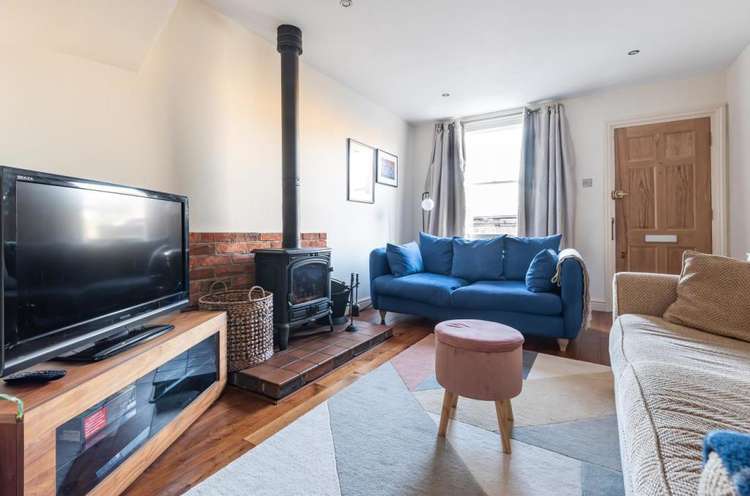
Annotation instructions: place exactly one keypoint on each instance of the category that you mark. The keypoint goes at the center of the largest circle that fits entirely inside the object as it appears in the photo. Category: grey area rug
(387, 444)
(379, 437)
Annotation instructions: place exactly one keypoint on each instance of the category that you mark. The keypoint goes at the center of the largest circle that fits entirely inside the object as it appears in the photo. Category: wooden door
(662, 194)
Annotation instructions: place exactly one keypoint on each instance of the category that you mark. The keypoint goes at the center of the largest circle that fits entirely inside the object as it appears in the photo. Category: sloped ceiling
(116, 32)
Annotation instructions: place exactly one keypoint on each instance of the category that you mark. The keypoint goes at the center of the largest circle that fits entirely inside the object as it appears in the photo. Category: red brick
(275, 244)
(310, 235)
(313, 243)
(232, 269)
(231, 248)
(323, 235)
(243, 281)
(201, 273)
(201, 249)
(195, 237)
(243, 258)
(208, 261)
(270, 236)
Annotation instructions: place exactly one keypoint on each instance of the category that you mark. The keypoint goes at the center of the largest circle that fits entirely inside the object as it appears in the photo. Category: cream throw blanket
(570, 253)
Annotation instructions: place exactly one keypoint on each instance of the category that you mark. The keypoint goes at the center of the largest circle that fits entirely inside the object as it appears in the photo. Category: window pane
(492, 209)
(492, 199)
(493, 162)
(493, 154)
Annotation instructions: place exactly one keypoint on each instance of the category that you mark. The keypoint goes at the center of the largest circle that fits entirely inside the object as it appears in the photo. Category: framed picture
(360, 160)
(387, 171)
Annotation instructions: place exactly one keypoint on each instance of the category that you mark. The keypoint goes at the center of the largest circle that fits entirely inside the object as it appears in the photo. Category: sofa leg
(382, 316)
(563, 344)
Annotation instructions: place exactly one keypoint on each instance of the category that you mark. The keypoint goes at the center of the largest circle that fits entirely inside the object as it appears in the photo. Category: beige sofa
(673, 384)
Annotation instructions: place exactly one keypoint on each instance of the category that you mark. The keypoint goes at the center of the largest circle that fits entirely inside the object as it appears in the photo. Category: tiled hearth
(309, 358)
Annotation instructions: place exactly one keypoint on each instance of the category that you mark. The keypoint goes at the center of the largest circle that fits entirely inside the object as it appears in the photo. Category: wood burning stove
(300, 278)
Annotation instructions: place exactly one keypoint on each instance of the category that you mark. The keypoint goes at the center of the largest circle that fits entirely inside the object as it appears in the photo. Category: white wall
(738, 96)
(65, 114)
(588, 117)
(201, 116)
(221, 86)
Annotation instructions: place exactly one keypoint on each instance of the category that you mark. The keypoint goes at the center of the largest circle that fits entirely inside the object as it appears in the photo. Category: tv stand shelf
(90, 393)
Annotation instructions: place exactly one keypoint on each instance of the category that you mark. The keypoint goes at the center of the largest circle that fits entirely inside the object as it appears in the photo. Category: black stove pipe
(289, 45)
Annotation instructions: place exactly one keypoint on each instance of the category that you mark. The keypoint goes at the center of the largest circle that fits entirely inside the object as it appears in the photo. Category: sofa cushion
(511, 296)
(425, 287)
(673, 384)
(519, 252)
(437, 253)
(478, 259)
(541, 271)
(404, 259)
(713, 294)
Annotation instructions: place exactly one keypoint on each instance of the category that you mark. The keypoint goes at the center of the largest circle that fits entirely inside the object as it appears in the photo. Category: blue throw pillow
(478, 259)
(404, 259)
(542, 269)
(437, 253)
(520, 251)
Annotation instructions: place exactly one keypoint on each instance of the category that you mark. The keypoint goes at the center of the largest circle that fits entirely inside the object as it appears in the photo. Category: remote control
(34, 377)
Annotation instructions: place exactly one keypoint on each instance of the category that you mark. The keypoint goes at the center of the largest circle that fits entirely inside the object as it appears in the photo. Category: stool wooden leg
(454, 406)
(501, 408)
(509, 411)
(445, 414)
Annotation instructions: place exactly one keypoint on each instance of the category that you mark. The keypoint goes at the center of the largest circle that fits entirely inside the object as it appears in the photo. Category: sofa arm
(643, 293)
(378, 267)
(572, 294)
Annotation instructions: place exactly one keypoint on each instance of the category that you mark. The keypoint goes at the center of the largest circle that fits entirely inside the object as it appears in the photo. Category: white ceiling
(498, 54)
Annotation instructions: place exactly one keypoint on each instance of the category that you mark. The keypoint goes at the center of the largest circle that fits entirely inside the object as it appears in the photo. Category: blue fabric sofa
(556, 314)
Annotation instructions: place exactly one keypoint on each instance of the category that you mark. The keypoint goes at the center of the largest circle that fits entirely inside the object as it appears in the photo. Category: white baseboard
(600, 306)
(364, 302)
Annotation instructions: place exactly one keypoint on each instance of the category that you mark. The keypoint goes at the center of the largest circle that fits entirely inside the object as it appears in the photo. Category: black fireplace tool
(353, 299)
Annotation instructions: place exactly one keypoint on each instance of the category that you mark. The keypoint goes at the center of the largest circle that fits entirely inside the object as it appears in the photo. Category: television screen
(80, 256)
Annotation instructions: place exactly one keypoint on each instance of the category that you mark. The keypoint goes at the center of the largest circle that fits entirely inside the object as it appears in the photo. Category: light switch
(588, 182)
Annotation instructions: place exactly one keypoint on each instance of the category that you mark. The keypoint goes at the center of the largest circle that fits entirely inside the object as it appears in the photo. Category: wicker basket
(249, 323)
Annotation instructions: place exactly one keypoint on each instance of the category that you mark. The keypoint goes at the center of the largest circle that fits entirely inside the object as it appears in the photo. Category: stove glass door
(309, 281)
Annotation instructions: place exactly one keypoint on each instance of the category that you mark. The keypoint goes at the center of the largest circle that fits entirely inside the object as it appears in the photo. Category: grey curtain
(445, 180)
(547, 182)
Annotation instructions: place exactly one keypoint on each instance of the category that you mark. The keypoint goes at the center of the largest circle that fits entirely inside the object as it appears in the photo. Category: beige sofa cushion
(713, 294)
(673, 385)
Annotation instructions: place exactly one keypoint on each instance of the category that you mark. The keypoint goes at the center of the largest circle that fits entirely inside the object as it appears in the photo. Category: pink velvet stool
(479, 360)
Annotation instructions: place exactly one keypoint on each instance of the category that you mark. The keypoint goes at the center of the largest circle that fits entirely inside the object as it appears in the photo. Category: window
(493, 164)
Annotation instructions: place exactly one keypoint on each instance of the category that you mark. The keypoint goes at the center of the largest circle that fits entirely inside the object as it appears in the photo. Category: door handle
(618, 194)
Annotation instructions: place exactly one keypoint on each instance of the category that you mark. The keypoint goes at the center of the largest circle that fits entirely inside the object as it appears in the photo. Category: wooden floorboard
(238, 420)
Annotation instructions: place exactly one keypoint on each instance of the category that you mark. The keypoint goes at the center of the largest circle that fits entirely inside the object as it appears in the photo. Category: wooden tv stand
(91, 393)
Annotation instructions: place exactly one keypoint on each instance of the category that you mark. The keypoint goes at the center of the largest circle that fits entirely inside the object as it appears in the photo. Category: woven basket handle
(255, 289)
(211, 289)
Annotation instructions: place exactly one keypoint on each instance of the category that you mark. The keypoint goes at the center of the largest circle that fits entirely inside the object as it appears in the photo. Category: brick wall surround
(229, 257)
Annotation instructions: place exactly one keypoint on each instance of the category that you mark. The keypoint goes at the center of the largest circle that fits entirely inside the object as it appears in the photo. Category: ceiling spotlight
(346, 3)
(634, 52)
(445, 95)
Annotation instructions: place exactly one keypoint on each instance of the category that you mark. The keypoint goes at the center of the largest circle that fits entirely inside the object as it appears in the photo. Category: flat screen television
(84, 260)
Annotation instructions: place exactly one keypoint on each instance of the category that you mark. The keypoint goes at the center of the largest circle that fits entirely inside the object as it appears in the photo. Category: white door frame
(718, 115)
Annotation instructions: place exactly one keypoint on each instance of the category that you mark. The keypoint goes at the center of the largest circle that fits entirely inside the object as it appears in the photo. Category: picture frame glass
(387, 169)
(361, 164)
